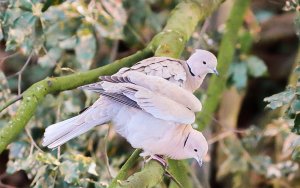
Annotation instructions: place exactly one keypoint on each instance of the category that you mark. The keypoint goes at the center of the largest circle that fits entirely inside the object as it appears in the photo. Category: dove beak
(215, 72)
(200, 162)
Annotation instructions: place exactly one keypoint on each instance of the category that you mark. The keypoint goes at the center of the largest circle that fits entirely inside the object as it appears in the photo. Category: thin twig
(173, 178)
(2, 59)
(204, 27)
(57, 120)
(10, 102)
(136, 34)
(219, 137)
(32, 141)
(201, 40)
(20, 72)
(194, 177)
(114, 51)
(58, 153)
(224, 127)
(105, 152)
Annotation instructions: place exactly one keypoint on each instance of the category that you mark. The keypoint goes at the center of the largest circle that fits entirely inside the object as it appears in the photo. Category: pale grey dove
(150, 104)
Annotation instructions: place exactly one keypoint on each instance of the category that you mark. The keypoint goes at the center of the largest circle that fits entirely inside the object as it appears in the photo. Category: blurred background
(253, 137)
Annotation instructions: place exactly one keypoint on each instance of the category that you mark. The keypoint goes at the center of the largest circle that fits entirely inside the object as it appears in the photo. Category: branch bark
(225, 57)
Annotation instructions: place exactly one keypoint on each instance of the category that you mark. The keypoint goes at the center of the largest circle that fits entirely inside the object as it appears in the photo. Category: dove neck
(180, 151)
(193, 82)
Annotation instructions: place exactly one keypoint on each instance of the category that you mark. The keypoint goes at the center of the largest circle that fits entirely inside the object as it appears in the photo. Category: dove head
(196, 146)
(201, 63)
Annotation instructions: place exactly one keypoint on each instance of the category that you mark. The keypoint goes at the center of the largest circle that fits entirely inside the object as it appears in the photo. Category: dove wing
(167, 68)
(163, 87)
(142, 98)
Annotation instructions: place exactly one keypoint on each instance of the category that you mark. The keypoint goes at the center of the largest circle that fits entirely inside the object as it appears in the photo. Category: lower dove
(150, 104)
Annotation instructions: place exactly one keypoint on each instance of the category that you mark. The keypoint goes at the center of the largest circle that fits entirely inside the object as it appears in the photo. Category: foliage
(294, 5)
(72, 36)
(71, 25)
(252, 66)
(249, 155)
(290, 98)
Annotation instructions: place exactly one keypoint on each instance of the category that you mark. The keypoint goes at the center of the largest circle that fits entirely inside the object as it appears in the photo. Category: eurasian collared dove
(150, 104)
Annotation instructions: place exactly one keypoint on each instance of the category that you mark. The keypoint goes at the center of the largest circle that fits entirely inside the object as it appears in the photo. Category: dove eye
(195, 150)
(204, 62)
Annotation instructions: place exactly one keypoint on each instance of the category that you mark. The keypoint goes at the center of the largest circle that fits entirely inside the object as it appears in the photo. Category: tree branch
(10, 102)
(225, 57)
(123, 171)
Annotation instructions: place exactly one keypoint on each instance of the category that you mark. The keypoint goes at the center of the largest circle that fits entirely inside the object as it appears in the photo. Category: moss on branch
(225, 57)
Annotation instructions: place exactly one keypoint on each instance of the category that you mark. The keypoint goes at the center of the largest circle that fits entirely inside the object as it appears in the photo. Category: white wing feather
(165, 88)
(157, 105)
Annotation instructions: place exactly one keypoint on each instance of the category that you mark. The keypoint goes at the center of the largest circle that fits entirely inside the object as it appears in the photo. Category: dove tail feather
(61, 132)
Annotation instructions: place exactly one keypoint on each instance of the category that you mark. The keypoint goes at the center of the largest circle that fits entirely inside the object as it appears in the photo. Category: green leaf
(261, 163)
(50, 59)
(40, 174)
(280, 99)
(296, 128)
(47, 158)
(86, 47)
(70, 171)
(68, 43)
(296, 154)
(239, 75)
(256, 66)
(295, 107)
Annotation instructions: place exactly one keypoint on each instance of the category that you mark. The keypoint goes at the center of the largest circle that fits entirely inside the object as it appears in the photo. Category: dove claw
(159, 159)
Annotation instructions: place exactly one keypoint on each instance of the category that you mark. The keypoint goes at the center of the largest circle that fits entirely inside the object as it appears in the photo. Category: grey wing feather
(167, 68)
(96, 87)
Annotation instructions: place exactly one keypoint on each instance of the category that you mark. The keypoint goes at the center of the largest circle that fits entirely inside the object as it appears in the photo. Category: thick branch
(148, 177)
(225, 57)
(125, 168)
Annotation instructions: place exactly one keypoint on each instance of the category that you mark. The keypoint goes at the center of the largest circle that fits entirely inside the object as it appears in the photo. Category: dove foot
(158, 158)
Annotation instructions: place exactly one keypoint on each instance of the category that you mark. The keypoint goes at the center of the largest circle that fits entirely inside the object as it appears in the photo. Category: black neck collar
(190, 70)
(186, 139)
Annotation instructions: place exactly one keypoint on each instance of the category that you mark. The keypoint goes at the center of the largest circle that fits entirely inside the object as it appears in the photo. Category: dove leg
(144, 155)
(158, 158)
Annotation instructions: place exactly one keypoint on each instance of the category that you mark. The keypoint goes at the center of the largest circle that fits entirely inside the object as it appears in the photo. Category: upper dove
(150, 104)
